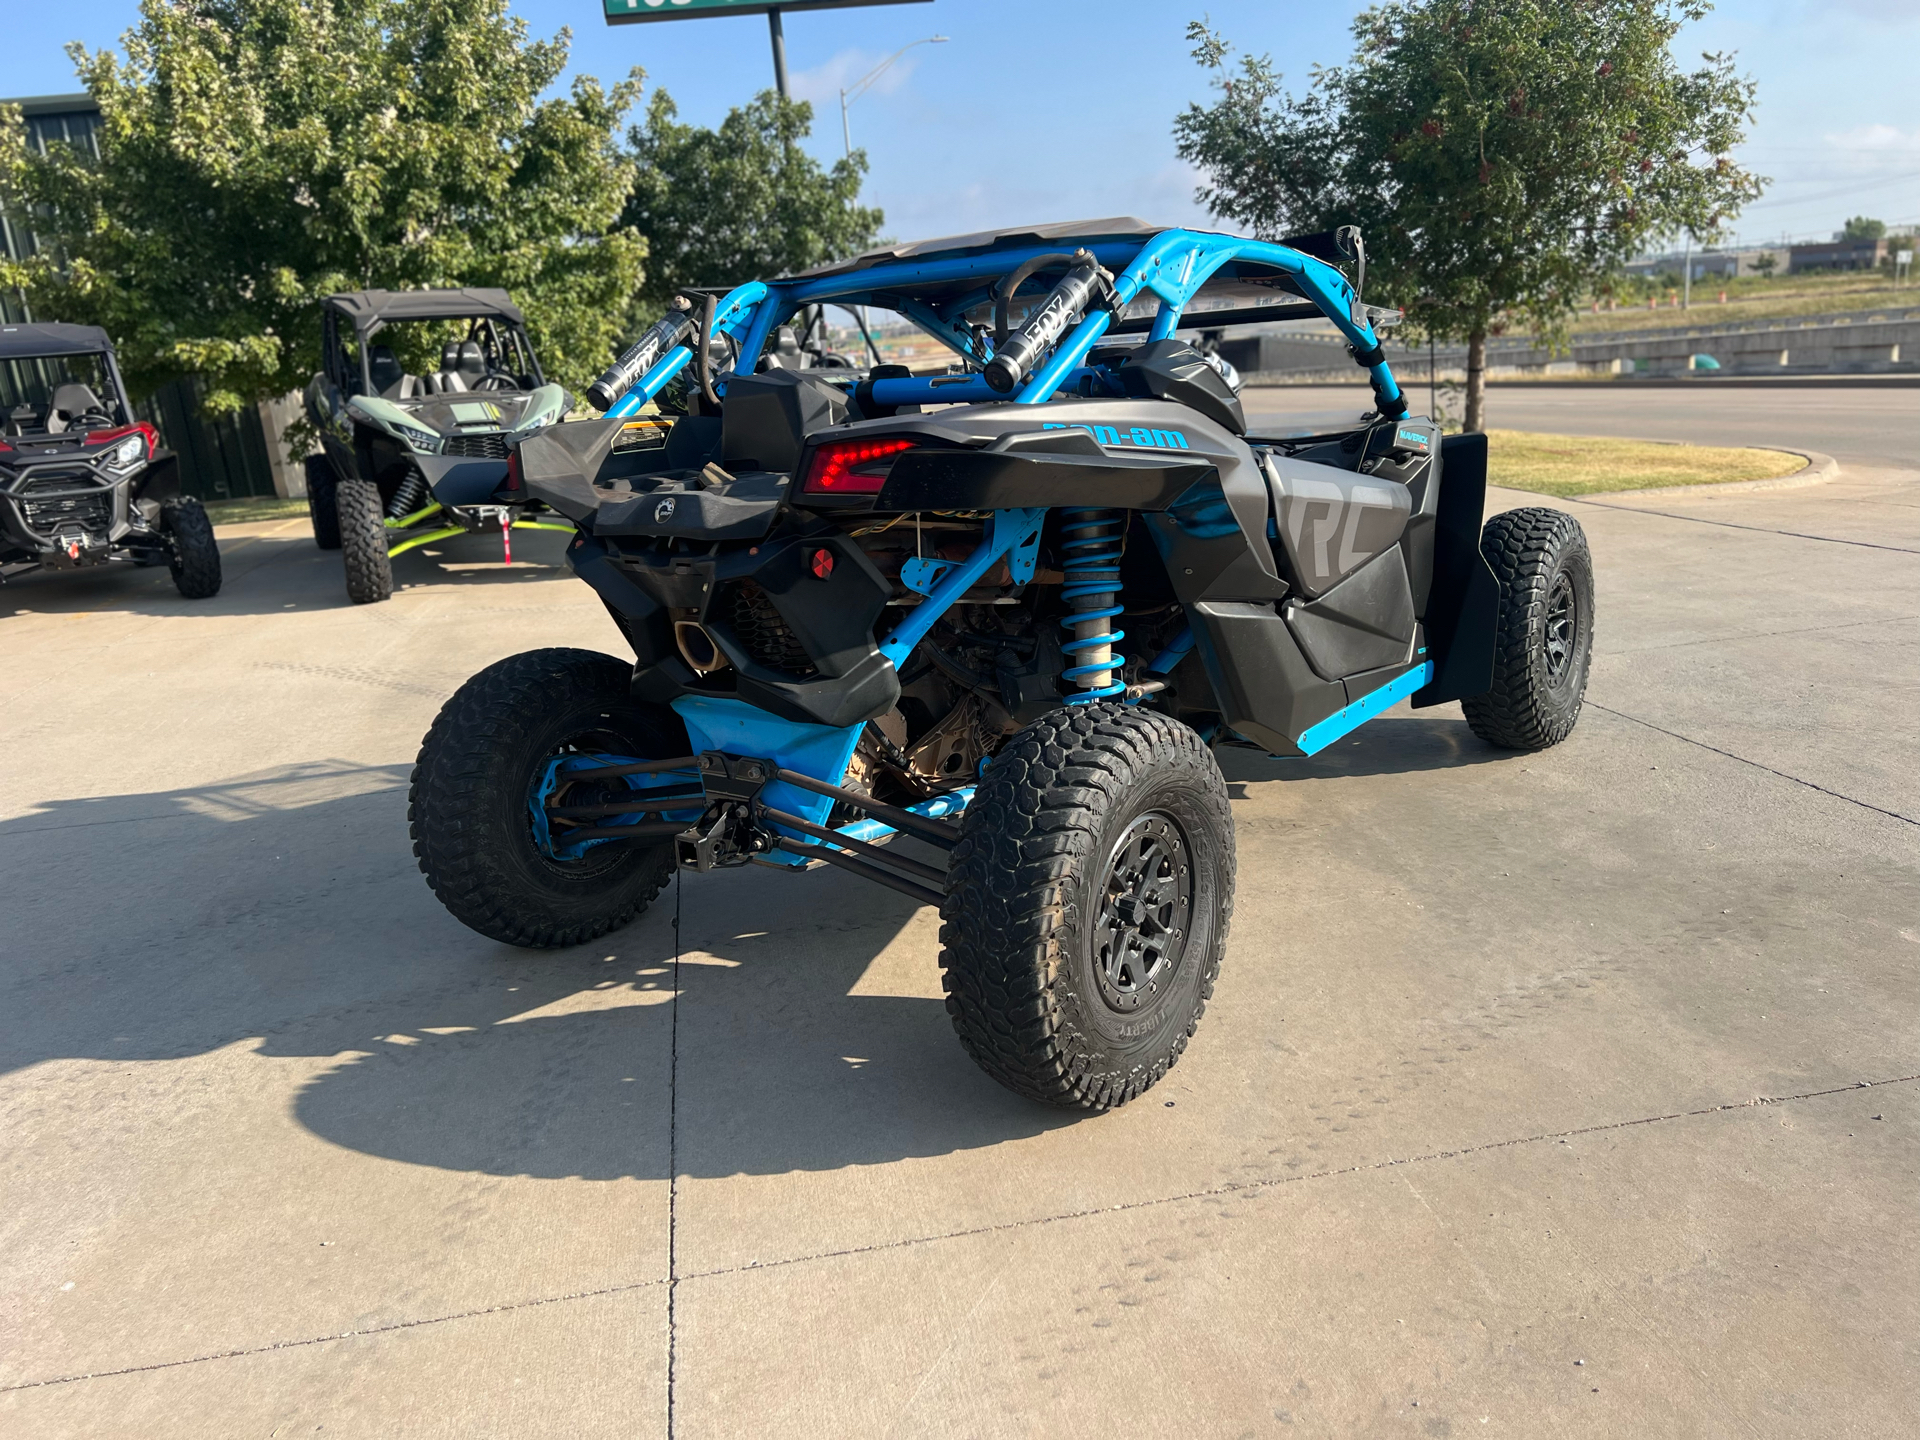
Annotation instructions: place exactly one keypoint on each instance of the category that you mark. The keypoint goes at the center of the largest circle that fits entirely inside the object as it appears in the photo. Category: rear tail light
(852, 467)
(512, 482)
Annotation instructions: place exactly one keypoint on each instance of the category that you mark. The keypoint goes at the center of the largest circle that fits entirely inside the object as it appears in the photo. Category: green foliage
(257, 155)
(744, 202)
(1862, 228)
(1501, 156)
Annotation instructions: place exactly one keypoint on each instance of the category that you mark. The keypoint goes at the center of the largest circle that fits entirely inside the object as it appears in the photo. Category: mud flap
(1463, 608)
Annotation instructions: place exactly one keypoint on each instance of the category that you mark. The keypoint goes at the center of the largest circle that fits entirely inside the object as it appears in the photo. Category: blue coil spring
(1091, 543)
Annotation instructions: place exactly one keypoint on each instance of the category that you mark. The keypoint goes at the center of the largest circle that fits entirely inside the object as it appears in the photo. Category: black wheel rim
(1560, 637)
(1146, 913)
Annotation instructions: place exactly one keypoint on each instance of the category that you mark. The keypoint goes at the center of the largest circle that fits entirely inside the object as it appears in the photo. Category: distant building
(228, 456)
(1838, 254)
(1720, 264)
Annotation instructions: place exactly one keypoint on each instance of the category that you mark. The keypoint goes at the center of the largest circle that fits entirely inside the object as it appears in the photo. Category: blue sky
(1058, 109)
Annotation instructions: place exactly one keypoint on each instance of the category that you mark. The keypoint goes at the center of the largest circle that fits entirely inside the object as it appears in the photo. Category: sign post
(640, 12)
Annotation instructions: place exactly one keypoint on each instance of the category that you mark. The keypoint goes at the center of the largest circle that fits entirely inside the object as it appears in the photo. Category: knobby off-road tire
(320, 501)
(363, 541)
(467, 804)
(193, 555)
(1091, 819)
(1543, 647)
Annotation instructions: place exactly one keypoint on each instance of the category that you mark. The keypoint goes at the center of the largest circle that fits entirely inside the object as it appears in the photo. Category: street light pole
(850, 93)
(779, 38)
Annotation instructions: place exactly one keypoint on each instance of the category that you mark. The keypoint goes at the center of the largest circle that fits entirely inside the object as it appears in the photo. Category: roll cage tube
(737, 308)
(1172, 265)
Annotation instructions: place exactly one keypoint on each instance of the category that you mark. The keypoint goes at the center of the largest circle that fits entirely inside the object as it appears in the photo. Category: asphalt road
(1870, 424)
(1533, 1101)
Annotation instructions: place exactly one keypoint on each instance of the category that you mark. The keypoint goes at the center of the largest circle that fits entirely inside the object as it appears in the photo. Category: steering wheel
(494, 380)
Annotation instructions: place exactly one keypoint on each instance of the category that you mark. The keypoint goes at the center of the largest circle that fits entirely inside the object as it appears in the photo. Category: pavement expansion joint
(242, 1351)
(1248, 1187)
(1781, 774)
(1238, 1187)
(1735, 525)
(1758, 635)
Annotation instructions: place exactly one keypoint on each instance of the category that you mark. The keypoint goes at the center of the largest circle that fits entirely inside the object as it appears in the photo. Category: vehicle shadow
(1390, 745)
(281, 913)
(275, 570)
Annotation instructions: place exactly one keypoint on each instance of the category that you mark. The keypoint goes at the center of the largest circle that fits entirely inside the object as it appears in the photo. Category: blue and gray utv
(1004, 605)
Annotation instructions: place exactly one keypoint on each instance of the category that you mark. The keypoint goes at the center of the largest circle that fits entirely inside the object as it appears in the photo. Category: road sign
(637, 12)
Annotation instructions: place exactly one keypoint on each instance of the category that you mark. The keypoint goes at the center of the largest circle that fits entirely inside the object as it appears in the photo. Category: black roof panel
(26, 342)
(1118, 227)
(365, 307)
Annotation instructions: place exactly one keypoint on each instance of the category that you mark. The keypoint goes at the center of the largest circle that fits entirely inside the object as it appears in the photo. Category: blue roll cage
(1172, 265)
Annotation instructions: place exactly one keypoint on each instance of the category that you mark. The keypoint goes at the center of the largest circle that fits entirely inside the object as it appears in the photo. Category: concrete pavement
(1530, 1102)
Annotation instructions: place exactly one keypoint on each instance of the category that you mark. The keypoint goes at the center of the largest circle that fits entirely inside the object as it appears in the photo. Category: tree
(1861, 228)
(257, 155)
(1766, 264)
(743, 202)
(1500, 156)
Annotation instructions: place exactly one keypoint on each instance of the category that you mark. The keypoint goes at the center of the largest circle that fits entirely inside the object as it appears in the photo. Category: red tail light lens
(512, 481)
(852, 467)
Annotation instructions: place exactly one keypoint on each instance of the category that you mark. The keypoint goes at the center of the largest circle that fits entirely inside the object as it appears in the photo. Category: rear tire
(320, 502)
(1543, 646)
(1087, 905)
(467, 804)
(363, 541)
(193, 554)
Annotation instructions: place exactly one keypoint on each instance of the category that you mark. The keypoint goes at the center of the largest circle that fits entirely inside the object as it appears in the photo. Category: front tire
(363, 541)
(320, 502)
(1087, 905)
(1543, 647)
(467, 804)
(193, 554)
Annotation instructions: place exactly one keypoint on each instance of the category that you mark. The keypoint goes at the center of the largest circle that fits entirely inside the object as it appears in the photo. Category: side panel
(1464, 606)
(1365, 622)
(1332, 521)
(1266, 689)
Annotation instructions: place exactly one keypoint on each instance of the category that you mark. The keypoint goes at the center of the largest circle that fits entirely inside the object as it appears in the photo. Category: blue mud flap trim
(822, 751)
(1317, 737)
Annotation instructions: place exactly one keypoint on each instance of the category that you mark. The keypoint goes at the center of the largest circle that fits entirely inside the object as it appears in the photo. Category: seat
(388, 378)
(72, 400)
(469, 364)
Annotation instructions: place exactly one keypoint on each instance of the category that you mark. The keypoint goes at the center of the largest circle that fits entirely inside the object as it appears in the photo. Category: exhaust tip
(697, 647)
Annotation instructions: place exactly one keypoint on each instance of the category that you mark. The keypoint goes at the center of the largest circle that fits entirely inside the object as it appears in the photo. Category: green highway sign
(636, 12)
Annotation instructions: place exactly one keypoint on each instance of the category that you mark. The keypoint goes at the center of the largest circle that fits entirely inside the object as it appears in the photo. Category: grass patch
(1583, 465)
(1752, 298)
(246, 512)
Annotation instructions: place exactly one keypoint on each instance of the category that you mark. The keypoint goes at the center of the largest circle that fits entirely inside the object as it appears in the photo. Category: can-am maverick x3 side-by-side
(409, 458)
(82, 482)
(1008, 611)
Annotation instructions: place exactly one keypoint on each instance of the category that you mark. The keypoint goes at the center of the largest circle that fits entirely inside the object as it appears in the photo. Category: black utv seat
(384, 368)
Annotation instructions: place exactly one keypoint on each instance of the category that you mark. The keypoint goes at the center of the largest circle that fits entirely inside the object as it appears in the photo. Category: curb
(1817, 471)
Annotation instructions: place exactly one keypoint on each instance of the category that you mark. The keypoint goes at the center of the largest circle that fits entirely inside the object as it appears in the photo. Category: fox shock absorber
(1085, 282)
(619, 377)
(1091, 543)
